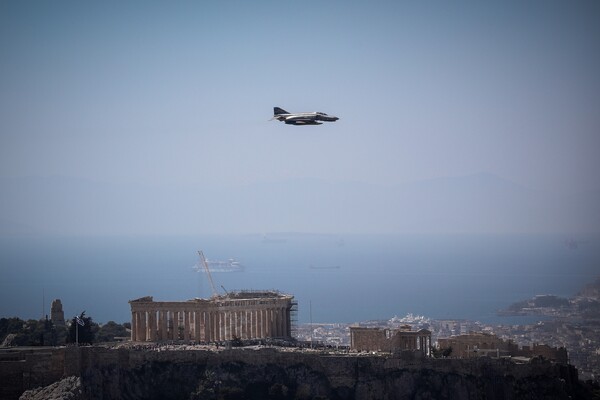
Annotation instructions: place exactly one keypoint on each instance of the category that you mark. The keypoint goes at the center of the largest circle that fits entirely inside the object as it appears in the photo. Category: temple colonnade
(212, 320)
(390, 340)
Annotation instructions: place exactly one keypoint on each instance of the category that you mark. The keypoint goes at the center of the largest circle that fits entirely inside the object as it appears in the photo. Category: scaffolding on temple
(294, 319)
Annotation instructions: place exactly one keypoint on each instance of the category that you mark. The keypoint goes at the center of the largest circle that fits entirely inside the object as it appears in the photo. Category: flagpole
(78, 321)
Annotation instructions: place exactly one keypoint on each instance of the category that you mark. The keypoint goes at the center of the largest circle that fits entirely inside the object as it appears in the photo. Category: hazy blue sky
(182, 91)
(167, 93)
(137, 99)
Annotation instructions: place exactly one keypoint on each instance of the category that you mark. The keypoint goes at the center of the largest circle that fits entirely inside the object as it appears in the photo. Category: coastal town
(571, 324)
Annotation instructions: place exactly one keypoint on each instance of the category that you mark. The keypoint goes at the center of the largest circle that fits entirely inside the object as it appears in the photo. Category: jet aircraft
(304, 118)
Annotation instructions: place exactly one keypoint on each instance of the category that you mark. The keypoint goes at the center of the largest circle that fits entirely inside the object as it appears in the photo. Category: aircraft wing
(303, 122)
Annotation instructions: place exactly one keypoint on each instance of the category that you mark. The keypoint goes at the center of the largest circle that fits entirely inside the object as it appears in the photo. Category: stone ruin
(57, 315)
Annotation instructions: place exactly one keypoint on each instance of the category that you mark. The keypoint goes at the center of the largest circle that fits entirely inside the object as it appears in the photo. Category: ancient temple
(236, 315)
(390, 340)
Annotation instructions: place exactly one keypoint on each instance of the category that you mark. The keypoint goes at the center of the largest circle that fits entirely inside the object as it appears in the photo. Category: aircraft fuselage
(303, 118)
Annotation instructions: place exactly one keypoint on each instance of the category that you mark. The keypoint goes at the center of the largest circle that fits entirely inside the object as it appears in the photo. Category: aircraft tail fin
(277, 111)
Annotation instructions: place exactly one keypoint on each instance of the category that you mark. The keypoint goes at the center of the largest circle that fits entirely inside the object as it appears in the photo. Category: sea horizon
(342, 278)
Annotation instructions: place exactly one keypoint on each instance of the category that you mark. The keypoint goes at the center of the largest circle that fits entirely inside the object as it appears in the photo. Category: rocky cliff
(268, 373)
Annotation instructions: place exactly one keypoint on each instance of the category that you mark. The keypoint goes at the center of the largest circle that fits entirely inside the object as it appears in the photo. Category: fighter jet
(304, 118)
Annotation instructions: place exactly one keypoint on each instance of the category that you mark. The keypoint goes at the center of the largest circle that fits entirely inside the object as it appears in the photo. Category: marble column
(428, 344)
(138, 330)
(220, 325)
(176, 325)
(244, 330)
(248, 324)
(231, 325)
(215, 325)
(227, 325)
(235, 317)
(186, 326)
(255, 324)
(262, 324)
(152, 325)
(143, 327)
(163, 325)
(281, 315)
(233, 331)
(170, 325)
(220, 320)
(245, 325)
(136, 318)
(241, 324)
(208, 326)
(235, 323)
(277, 320)
(197, 335)
(133, 326)
(269, 322)
(259, 324)
(238, 324)
(192, 325)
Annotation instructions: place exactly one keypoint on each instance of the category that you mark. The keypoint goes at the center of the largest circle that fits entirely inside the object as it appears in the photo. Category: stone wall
(485, 344)
(22, 369)
(269, 373)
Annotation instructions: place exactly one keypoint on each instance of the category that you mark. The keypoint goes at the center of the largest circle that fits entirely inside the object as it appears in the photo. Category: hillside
(267, 373)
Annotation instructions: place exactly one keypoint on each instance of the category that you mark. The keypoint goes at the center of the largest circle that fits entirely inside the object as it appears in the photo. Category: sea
(335, 278)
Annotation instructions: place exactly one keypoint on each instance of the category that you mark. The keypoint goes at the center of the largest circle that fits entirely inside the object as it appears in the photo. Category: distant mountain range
(480, 203)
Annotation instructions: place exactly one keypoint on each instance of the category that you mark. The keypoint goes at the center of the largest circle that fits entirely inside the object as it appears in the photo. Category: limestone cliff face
(271, 374)
(68, 388)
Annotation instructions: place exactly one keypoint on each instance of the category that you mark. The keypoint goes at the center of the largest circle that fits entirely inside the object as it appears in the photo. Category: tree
(109, 331)
(31, 332)
(46, 333)
(10, 325)
(82, 327)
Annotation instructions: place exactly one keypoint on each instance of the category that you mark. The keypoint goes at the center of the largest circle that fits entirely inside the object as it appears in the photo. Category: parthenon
(236, 315)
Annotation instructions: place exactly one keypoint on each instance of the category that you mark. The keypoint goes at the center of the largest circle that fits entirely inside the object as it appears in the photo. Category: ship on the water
(230, 265)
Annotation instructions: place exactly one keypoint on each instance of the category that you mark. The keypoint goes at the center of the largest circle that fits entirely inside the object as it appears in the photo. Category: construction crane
(205, 265)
